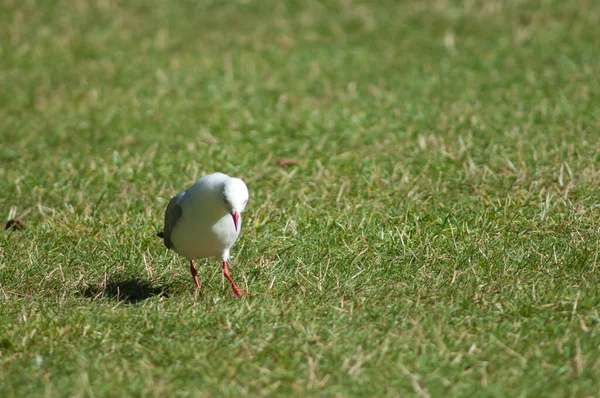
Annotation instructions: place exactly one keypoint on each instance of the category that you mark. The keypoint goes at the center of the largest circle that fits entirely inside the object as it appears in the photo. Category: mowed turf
(437, 233)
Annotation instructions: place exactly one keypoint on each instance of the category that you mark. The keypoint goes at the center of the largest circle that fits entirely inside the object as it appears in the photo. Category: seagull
(205, 221)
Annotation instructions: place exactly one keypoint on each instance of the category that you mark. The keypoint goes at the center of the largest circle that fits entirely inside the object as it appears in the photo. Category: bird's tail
(160, 234)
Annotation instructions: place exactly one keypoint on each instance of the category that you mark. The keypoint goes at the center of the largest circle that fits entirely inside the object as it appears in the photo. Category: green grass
(439, 235)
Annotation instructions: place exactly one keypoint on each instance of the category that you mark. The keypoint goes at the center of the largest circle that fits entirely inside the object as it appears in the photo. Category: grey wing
(172, 215)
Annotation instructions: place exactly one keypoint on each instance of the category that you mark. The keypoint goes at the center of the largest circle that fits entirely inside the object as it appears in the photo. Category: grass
(438, 236)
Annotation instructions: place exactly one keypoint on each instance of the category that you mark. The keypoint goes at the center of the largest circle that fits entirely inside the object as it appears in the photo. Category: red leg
(237, 292)
(194, 274)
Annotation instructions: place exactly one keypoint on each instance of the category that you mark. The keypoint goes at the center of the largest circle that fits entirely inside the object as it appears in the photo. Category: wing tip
(160, 234)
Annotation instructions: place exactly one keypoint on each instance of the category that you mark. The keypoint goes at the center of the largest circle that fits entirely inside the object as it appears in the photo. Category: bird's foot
(237, 292)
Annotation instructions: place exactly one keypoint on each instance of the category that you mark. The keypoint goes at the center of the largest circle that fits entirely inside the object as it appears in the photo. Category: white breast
(204, 231)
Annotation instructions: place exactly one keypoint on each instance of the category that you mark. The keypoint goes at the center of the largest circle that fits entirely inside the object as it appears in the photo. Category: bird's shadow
(128, 291)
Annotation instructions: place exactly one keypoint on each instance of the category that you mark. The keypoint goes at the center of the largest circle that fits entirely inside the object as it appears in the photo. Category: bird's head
(235, 198)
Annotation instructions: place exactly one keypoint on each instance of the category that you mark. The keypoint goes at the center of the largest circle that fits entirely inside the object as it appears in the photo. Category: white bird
(205, 221)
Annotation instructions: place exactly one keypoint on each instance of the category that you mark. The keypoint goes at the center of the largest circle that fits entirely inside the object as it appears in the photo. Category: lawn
(436, 232)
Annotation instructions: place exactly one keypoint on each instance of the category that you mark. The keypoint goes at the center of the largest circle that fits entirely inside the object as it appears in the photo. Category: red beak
(236, 220)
